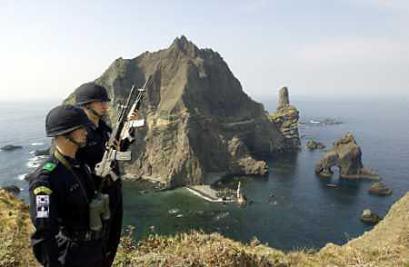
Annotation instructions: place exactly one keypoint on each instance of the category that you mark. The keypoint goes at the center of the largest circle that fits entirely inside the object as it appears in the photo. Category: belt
(83, 236)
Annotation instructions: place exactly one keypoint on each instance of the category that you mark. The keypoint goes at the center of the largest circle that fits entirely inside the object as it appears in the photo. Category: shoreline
(207, 193)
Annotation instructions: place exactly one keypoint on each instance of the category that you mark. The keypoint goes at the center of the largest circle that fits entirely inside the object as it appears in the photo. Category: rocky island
(200, 123)
(346, 155)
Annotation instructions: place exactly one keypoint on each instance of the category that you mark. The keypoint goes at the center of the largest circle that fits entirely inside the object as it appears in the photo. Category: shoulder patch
(49, 166)
(42, 206)
(43, 190)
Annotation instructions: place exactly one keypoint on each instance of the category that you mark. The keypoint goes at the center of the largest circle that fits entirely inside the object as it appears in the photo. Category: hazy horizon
(344, 48)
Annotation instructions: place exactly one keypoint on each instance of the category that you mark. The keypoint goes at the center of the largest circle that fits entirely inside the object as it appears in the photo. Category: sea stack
(286, 119)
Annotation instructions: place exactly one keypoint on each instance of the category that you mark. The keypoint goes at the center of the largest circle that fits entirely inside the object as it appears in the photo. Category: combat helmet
(90, 92)
(64, 119)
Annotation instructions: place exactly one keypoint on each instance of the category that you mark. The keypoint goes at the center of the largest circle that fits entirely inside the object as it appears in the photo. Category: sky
(317, 48)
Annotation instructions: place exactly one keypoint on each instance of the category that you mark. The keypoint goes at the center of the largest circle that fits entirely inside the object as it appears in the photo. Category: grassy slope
(386, 245)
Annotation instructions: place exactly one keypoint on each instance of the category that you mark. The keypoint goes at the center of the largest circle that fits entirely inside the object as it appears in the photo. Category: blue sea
(291, 208)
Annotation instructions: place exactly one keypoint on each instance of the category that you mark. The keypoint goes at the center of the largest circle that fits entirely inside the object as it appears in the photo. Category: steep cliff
(199, 120)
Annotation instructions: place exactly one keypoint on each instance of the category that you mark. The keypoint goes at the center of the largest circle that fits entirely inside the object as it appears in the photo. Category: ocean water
(291, 208)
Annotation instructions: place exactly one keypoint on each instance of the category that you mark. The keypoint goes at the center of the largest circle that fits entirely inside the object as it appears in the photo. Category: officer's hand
(134, 116)
(117, 144)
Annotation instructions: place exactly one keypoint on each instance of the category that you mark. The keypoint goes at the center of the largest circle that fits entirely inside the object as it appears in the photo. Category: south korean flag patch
(43, 206)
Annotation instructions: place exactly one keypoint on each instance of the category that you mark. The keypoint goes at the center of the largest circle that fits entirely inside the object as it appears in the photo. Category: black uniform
(92, 154)
(59, 210)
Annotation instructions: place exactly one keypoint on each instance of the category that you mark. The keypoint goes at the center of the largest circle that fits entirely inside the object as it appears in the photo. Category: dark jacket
(59, 207)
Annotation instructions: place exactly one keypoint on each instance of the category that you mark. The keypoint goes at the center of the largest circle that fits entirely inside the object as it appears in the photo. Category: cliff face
(199, 120)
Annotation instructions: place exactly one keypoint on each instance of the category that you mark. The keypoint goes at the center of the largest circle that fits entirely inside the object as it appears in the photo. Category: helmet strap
(94, 112)
(69, 138)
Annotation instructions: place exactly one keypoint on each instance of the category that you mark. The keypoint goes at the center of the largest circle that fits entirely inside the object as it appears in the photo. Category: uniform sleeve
(44, 215)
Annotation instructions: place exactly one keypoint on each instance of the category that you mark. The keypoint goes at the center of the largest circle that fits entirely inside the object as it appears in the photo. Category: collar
(72, 162)
(101, 125)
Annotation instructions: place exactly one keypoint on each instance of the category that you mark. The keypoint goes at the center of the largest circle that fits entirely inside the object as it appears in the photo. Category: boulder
(347, 156)
(379, 189)
(10, 147)
(199, 121)
(369, 217)
(313, 145)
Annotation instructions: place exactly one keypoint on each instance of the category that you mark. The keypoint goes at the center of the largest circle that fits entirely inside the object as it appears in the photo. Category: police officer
(94, 100)
(61, 191)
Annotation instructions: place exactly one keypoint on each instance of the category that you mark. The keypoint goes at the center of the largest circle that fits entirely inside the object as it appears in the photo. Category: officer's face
(100, 107)
(80, 136)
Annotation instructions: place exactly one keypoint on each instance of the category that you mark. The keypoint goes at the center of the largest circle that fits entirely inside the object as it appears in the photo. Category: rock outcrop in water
(42, 152)
(313, 145)
(199, 120)
(369, 217)
(286, 119)
(347, 156)
(10, 147)
(380, 189)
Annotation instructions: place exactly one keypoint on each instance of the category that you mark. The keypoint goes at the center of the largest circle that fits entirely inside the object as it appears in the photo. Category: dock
(206, 192)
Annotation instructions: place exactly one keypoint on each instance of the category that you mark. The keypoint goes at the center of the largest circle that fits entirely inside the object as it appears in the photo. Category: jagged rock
(283, 98)
(198, 119)
(346, 155)
(242, 161)
(380, 189)
(312, 145)
(10, 147)
(286, 119)
(368, 216)
(11, 189)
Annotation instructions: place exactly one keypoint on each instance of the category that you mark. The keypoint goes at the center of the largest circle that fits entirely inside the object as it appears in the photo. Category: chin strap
(94, 112)
(69, 138)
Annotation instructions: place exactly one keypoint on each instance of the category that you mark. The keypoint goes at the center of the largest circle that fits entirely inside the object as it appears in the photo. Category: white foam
(22, 176)
(37, 144)
(34, 162)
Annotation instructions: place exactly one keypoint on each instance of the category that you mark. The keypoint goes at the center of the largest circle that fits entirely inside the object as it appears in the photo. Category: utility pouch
(98, 211)
(123, 155)
(137, 123)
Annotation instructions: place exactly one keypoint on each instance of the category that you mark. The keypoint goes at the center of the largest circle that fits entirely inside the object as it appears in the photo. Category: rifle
(104, 168)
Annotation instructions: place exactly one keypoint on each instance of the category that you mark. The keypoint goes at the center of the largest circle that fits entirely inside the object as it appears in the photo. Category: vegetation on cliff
(15, 229)
(386, 245)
